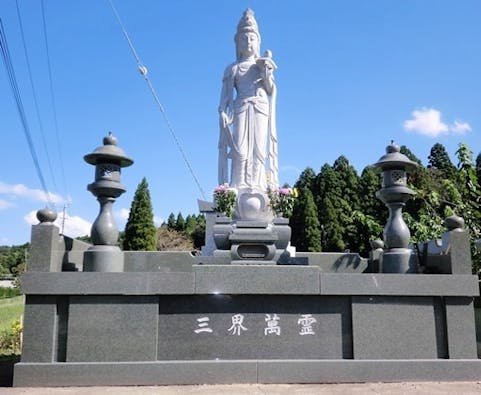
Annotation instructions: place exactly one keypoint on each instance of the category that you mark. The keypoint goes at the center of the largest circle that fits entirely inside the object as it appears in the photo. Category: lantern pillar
(397, 257)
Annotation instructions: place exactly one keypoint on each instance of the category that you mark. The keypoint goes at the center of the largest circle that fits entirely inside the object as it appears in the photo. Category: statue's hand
(267, 71)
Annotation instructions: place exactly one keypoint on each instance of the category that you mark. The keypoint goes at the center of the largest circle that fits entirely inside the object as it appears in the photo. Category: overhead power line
(40, 124)
(143, 71)
(7, 60)
(52, 96)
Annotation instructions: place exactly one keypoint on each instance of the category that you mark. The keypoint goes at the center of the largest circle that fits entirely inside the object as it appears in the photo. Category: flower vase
(283, 230)
(222, 229)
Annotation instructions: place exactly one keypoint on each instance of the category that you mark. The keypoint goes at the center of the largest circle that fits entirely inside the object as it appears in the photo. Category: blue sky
(352, 75)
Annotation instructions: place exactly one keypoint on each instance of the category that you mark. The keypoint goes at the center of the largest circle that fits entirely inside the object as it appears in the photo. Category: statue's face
(248, 44)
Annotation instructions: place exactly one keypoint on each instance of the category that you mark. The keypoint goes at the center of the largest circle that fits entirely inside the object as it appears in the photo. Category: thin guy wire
(54, 107)
(143, 69)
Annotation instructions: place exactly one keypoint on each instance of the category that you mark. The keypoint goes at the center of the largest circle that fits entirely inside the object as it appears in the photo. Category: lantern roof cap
(394, 159)
(109, 152)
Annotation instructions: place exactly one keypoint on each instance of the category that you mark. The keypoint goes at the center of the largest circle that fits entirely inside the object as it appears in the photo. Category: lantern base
(398, 260)
(102, 258)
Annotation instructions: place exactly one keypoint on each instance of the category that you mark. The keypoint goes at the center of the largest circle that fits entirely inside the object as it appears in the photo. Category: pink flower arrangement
(282, 200)
(225, 199)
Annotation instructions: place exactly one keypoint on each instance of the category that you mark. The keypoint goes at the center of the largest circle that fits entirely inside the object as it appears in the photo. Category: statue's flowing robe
(253, 138)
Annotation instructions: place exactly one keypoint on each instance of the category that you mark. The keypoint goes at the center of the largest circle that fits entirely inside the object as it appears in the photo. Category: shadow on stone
(6, 369)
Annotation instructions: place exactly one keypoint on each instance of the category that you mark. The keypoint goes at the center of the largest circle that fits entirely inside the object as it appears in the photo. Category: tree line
(337, 209)
(178, 233)
(12, 259)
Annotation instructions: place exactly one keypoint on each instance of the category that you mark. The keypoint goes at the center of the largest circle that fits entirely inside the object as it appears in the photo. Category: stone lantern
(397, 257)
(108, 159)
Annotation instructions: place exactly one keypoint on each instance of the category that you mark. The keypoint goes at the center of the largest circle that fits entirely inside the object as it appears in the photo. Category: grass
(6, 292)
(10, 310)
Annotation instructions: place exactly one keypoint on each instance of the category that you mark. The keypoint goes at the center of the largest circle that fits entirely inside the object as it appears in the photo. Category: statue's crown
(247, 23)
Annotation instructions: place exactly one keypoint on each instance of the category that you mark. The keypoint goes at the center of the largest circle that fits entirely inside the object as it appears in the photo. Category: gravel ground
(428, 388)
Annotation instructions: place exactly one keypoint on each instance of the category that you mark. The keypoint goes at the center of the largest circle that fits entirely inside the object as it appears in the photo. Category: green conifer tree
(190, 225)
(180, 223)
(307, 179)
(406, 151)
(369, 184)
(140, 232)
(439, 160)
(198, 235)
(370, 218)
(306, 235)
(337, 190)
(330, 207)
(171, 222)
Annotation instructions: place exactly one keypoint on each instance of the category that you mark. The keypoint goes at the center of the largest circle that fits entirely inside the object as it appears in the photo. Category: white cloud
(460, 127)
(20, 190)
(123, 213)
(5, 241)
(427, 122)
(74, 226)
(158, 221)
(4, 204)
(31, 218)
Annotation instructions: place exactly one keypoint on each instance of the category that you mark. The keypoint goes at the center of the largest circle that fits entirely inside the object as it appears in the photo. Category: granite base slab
(243, 371)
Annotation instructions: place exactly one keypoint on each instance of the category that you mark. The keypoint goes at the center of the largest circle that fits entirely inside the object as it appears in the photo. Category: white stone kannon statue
(248, 135)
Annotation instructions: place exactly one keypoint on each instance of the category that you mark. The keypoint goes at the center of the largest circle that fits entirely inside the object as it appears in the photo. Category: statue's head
(247, 38)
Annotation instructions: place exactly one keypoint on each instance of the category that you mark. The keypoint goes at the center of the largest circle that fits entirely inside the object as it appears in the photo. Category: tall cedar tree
(337, 200)
(369, 184)
(419, 180)
(198, 235)
(180, 223)
(372, 213)
(305, 224)
(330, 205)
(439, 159)
(190, 224)
(406, 151)
(171, 222)
(349, 180)
(307, 179)
(140, 232)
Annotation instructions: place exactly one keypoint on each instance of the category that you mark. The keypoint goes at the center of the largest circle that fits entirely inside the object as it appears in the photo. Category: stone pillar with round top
(397, 257)
(108, 159)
